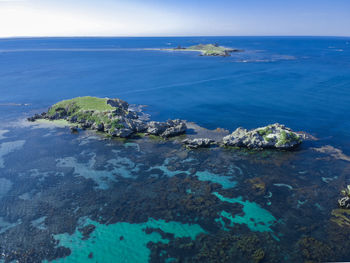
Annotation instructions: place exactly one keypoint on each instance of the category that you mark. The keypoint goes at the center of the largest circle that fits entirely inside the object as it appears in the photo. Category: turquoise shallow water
(82, 197)
(122, 242)
(254, 216)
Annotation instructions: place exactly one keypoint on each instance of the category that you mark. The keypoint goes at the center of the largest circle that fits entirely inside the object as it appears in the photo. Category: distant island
(116, 118)
(207, 50)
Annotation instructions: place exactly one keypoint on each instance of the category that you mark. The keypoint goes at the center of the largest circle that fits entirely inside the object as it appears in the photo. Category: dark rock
(118, 103)
(81, 121)
(98, 127)
(131, 115)
(59, 113)
(166, 129)
(175, 127)
(43, 115)
(73, 118)
(86, 125)
(122, 133)
(156, 127)
(136, 125)
(35, 117)
(73, 129)
(31, 119)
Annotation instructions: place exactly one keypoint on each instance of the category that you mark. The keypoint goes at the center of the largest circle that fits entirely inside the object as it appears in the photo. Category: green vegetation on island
(86, 109)
(272, 136)
(112, 116)
(84, 103)
(116, 118)
(207, 50)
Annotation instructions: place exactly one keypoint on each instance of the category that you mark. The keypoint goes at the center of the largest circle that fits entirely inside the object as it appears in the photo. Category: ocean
(84, 198)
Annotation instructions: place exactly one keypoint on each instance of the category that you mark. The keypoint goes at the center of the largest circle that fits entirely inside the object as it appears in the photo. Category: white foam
(2, 132)
(39, 223)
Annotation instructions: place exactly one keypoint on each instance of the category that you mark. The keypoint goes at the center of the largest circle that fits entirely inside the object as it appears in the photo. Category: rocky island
(112, 116)
(207, 50)
(116, 118)
(272, 136)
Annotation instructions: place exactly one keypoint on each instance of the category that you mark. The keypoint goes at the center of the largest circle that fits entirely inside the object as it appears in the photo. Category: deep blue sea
(48, 174)
(302, 82)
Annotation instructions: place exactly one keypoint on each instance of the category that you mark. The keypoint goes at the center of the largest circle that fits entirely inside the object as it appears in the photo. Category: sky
(174, 18)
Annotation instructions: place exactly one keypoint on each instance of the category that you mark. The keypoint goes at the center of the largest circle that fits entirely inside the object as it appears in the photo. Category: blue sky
(174, 17)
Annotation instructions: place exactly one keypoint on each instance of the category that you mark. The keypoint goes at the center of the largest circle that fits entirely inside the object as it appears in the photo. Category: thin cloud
(12, 1)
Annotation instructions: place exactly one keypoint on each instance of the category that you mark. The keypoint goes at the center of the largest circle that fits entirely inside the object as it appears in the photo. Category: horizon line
(170, 36)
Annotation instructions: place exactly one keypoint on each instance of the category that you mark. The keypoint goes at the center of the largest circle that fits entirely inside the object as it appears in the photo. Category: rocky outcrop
(344, 202)
(117, 120)
(118, 103)
(272, 136)
(198, 143)
(208, 50)
(73, 129)
(166, 129)
(37, 116)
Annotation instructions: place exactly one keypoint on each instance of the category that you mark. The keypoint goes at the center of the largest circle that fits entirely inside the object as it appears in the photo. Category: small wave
(254, 60)
(336, 49)
(251, 58)
(2, 132)
(194, 82)
(14, 104)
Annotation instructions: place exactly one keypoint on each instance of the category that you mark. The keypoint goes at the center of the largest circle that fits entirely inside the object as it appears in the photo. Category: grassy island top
(207, 49)
(83, 103)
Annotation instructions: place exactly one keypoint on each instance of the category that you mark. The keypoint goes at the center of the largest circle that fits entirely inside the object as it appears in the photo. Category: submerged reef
(314, 250)
(332, 152)
(75, 196)
(207, 50)
(225, 247)
(341, 217)
(117, 119)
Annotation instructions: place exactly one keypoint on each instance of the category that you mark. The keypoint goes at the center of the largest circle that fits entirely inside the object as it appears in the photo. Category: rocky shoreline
(116, 118)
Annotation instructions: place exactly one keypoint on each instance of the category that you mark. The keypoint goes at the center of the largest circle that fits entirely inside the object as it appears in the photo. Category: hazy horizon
(176, 36)
(156, 18)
